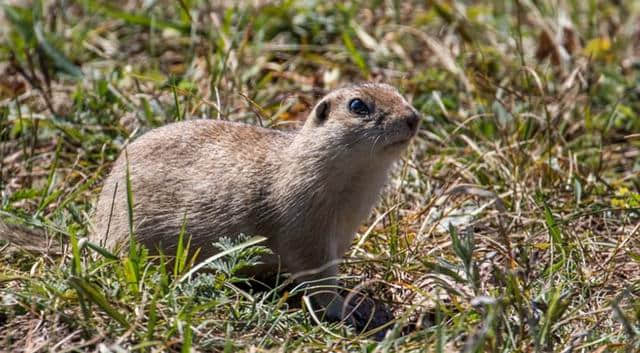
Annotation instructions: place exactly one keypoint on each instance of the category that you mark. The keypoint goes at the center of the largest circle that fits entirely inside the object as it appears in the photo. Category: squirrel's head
(369, 117)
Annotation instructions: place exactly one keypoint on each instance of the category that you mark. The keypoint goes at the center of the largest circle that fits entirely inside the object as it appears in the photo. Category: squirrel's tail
(24, 237)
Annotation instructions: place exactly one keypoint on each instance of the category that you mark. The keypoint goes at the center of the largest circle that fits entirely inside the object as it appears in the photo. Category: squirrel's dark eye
(357, 106)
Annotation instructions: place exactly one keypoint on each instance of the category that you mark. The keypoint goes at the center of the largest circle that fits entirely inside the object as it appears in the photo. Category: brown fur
(307, 192)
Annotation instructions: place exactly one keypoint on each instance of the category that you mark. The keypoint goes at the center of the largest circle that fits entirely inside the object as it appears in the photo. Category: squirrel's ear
(322, 111)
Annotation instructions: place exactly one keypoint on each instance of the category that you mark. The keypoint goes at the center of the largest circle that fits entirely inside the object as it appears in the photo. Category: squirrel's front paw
(368, 314)
(361, 312)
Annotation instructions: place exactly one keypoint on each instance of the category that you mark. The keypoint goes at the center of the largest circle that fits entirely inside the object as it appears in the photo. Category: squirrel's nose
(412, 121)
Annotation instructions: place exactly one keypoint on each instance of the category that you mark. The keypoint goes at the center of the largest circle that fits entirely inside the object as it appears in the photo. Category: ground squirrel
(306, 191)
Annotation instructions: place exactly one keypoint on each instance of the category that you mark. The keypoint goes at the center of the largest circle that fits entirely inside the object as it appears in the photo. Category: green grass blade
(153, 312)
(45, 200)
(354, 53)
(554, 231)
(56, 55)
(187, 335)
(76, 268)
(93, 293)
(136, 19)
(102, 251)
(180, 251)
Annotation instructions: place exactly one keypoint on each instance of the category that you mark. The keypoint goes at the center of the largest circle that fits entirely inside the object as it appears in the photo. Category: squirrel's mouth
(400, 143)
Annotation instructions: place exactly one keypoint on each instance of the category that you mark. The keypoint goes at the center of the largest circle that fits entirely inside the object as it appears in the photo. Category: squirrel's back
(204, 170)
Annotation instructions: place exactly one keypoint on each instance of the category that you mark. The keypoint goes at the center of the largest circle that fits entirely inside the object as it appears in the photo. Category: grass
(511, 224)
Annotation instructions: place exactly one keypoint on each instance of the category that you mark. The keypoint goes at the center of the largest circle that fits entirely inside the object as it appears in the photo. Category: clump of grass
(510, 225)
